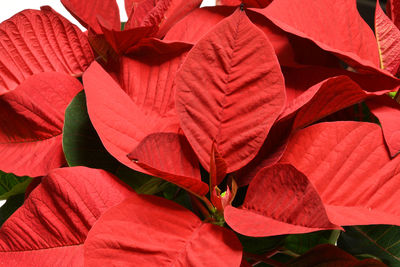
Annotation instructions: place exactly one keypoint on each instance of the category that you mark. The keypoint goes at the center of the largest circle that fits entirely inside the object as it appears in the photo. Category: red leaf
(269, 154)
(247, 3)
(123, 117)
(371, 83)
(51, 226)
(162, 13)
(222, 96)
(340, 29)
(331, 256)
(328, 97)
(387, 111)
(388, 38)
(87, 12)
(169, 156)
(393, 11)
(349, 166)
(199, 22)
(31, 122)
(36, 41)
(279, 200)
(151, 231)
(121, 41)
(217, 167)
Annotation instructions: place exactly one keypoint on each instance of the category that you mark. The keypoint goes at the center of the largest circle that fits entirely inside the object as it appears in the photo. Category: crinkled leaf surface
(87, 12)
(335, 26)
(151, 231)
(200, 21)
(31, 121)
(162, 13)
(169, 156)
(387, 110)
(388, 38)
(35, 41)
(143, 104)
(349, 166)
(279, 200)
(393, 11)
(51, 226)
(330, 256)
(380, 241)
(322, 99)
(247, 3)
(229, 90)
(329, 96)
(11, 185)
(269, 154)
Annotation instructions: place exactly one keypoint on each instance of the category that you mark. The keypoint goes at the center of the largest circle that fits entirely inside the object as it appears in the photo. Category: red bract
(165, 234)
(31, 122)
(388, 37)
(52, 225)
(280, 200)
(123, 117)
(169, 155)
(253, 96)
(36, 41)
(387, 111)
(235, 97)
(199, 22)
(146, 19)
(349, 166)
(88, 12)
(340, 29)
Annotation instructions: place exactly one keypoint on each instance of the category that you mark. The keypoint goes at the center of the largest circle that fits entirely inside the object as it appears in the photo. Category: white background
(10, 7)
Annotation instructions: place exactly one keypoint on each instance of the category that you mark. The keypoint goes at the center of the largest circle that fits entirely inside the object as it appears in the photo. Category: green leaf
(260, 245)
(301, 243)
(380, 241)
(12, 204)
(11, 185)
(81, 144)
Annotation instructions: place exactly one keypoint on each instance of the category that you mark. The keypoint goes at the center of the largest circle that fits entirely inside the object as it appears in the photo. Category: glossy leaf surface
(136, 233)
(35, 41)
(349, 166)
(31, 121)
(51, 226)
(236, 104)
(279, 200)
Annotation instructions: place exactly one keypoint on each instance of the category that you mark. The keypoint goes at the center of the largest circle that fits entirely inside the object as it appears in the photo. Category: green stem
(334, 237)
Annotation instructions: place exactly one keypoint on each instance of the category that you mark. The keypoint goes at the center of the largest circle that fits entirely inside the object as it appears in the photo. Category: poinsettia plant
(250, 133)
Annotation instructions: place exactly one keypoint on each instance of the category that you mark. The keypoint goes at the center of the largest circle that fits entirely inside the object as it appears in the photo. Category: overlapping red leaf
(31, 123)
(151, 231)
(349, 166)
(235, 104)
(340, 29)
(51, 226)
(388, 38)
(279, 200)
(169, 156)
(35, 41)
